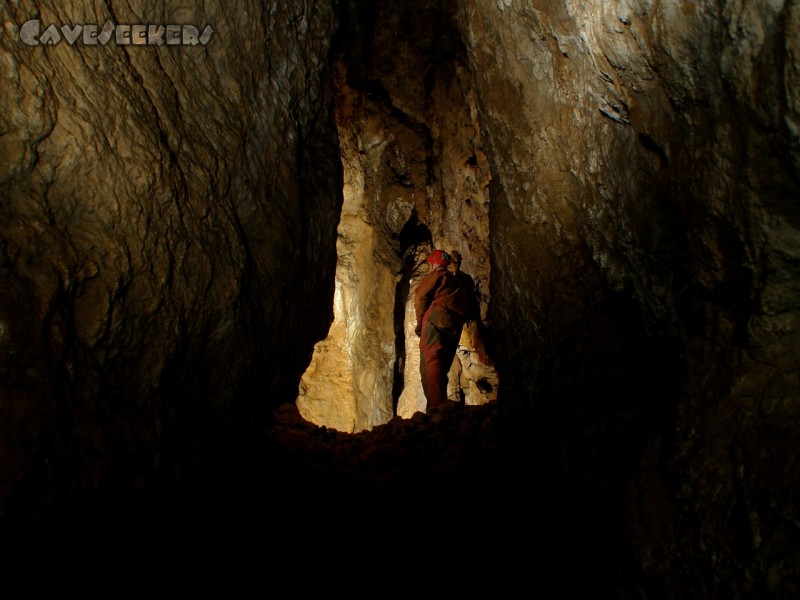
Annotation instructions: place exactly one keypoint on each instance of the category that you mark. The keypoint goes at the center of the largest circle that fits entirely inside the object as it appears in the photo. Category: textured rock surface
(348, 385)
(414, 176)
(622, 181)
(167, 221)
(645, 244)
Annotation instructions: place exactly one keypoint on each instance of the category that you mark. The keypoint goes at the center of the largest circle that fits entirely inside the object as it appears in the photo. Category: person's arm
(423, 296)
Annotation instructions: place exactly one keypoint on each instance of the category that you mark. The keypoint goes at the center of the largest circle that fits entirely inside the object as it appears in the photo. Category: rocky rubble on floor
(454, 445)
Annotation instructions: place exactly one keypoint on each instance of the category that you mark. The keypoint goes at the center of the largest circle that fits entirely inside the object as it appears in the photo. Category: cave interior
(208, 254)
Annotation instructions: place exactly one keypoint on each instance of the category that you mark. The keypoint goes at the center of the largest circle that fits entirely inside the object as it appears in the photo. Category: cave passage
(415, 243)
(415, 178)
(194, 239)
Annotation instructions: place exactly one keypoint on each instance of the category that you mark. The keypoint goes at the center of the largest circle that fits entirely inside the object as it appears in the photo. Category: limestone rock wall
(621, 179)
(415, 178)
(644, 239)
(348, 385)
(167, 228)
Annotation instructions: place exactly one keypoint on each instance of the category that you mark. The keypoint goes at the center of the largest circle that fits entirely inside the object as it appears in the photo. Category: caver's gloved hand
(418, 330)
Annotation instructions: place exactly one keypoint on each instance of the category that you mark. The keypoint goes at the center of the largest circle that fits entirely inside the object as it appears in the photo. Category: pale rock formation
(412, 157)
(348, 385)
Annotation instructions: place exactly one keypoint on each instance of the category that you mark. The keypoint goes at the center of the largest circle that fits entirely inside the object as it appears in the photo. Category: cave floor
(450, 489)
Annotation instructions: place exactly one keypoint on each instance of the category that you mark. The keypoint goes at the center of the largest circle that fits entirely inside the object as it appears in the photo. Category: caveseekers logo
(31, 34)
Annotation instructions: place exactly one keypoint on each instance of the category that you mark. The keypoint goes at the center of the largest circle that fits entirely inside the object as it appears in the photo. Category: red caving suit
(442, 305)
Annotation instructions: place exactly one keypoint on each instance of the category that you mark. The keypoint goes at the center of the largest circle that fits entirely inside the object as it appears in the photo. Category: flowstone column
(348, 385)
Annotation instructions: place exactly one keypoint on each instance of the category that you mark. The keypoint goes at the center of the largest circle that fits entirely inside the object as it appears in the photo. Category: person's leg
(437, 351)
(454, 390)
(446, 358)
(430, 365)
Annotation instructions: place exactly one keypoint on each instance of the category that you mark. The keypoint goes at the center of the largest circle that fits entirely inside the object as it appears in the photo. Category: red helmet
(440, 257)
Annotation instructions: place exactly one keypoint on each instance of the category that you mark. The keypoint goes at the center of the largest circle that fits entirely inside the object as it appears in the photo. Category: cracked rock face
(415, 178)
(167, 227)
(621, 179)
(645, 240)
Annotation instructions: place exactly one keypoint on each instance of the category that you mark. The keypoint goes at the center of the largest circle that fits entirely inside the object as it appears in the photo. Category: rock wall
(167, 228)
(621, 179)
(415, 177)
(644, 239)
(348, 385)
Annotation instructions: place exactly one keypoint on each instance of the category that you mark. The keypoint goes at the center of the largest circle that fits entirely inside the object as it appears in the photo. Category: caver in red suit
(442, 304)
